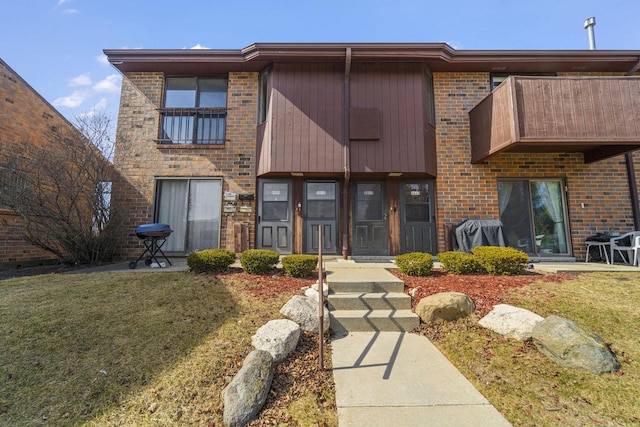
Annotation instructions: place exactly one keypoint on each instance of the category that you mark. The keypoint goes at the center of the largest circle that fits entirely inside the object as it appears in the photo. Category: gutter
(347, 154)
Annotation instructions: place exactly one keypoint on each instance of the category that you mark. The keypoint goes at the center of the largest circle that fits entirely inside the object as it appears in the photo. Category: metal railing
(321, 278)
(201, 126)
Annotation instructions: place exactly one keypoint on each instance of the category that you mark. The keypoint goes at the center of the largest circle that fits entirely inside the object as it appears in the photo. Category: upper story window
(496, 79)
(262, 96)
(195, 110)
(431, 106)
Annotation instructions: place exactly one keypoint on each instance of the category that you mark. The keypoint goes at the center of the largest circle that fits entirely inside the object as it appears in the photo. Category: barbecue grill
(153, 237)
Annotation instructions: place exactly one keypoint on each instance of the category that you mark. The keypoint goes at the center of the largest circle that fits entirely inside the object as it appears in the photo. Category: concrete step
(369, 301)
(378, 320)
(383, 285)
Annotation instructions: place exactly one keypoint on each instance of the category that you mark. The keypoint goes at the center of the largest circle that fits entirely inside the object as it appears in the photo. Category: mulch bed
(484, 290)
(269, 285)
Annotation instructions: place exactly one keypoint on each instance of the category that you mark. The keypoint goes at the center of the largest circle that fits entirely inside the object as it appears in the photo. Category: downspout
(631, 173)
(346, 98)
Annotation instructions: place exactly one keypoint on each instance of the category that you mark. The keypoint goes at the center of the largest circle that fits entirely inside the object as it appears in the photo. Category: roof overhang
(437, 56)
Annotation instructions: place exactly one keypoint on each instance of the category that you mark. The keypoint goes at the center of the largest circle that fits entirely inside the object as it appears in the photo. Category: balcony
(597, 116)
(193, 126)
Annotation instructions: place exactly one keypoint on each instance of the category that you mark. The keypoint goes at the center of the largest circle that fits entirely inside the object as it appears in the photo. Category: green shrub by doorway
(415, 263)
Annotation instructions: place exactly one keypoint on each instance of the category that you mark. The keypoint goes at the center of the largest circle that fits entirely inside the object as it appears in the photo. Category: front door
(321, 210)
(275, 217)
(417, 217)
(370, 219)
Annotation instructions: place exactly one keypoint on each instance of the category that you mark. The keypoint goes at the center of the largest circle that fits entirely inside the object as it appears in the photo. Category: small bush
(299, 265)
(259, 261)
(460, 263)
(415, 263)
(210, 260)
(501, 261)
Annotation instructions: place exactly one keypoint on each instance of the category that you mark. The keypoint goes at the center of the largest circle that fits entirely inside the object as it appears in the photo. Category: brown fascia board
(437, 56)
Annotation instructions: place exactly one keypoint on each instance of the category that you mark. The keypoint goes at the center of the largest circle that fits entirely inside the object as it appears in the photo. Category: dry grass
(124, 348)
(528, 388)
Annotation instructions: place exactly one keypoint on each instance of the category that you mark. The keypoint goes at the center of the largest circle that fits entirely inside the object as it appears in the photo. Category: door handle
(259, 219)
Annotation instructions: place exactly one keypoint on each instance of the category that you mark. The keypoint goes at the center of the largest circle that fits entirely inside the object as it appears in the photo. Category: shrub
(460, 263)
(299, 265)
(210, 260)
(415, 263)
(500, 260)
(259, 261)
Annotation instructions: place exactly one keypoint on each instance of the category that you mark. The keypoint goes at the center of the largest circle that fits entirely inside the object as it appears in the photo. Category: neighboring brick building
(383, 146)
(25, 118)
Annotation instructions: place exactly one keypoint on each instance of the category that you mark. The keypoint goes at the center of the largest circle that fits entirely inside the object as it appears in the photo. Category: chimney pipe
(588, 25)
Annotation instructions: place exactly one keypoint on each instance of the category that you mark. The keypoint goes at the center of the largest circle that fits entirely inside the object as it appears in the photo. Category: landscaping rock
(246, 393)
(444, 306)
(512, 322)
(566, 343)
(304, 311)
(312, 292)
(278, 337)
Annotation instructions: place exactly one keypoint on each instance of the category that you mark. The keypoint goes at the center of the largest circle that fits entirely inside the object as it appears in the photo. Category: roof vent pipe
(588, 25)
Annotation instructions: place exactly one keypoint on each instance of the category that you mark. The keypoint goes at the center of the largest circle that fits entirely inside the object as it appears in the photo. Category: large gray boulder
(444, 306)
(246, 393)
(304, 311)
(278, 337)
(512, 322)
(566, 343)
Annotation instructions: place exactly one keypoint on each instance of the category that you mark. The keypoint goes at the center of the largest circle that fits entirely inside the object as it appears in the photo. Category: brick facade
(470, 191)
(25, 118)
(141, 160)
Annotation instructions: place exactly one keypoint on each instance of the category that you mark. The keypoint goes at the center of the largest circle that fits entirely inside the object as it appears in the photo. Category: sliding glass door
(192, 207)
(533, 213)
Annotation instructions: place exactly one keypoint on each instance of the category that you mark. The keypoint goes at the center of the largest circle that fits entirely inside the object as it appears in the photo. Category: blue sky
(56, 45)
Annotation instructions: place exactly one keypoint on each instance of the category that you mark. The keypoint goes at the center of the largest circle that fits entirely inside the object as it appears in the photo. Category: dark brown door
(321, 210)
(417, 216)
(275, 216)
(370, 219)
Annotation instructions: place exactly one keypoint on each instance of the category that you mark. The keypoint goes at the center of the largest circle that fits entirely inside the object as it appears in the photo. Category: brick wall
(468, 191)
(140, 160)
(25, 118)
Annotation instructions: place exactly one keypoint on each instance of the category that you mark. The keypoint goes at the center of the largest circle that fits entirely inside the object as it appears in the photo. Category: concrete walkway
(402, 379)
(399, 378)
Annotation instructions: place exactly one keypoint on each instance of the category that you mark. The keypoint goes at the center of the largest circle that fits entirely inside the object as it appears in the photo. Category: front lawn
(524, 385)
(143, 349)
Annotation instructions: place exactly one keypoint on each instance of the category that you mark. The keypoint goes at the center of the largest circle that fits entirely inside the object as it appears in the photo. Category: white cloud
(70, 11)
(100, 105)
(102, 59)
(199, 46)
(81, 80)
(76, 98)
(111, 84)
(62, 2)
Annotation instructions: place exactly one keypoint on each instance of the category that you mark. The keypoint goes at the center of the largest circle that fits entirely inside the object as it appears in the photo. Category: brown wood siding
(581, 109)
(398, 91)
(305, 116)
(599, 116)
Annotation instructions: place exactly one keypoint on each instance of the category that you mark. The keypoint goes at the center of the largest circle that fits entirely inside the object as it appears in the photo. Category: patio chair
(636, 249)
(625, 242)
